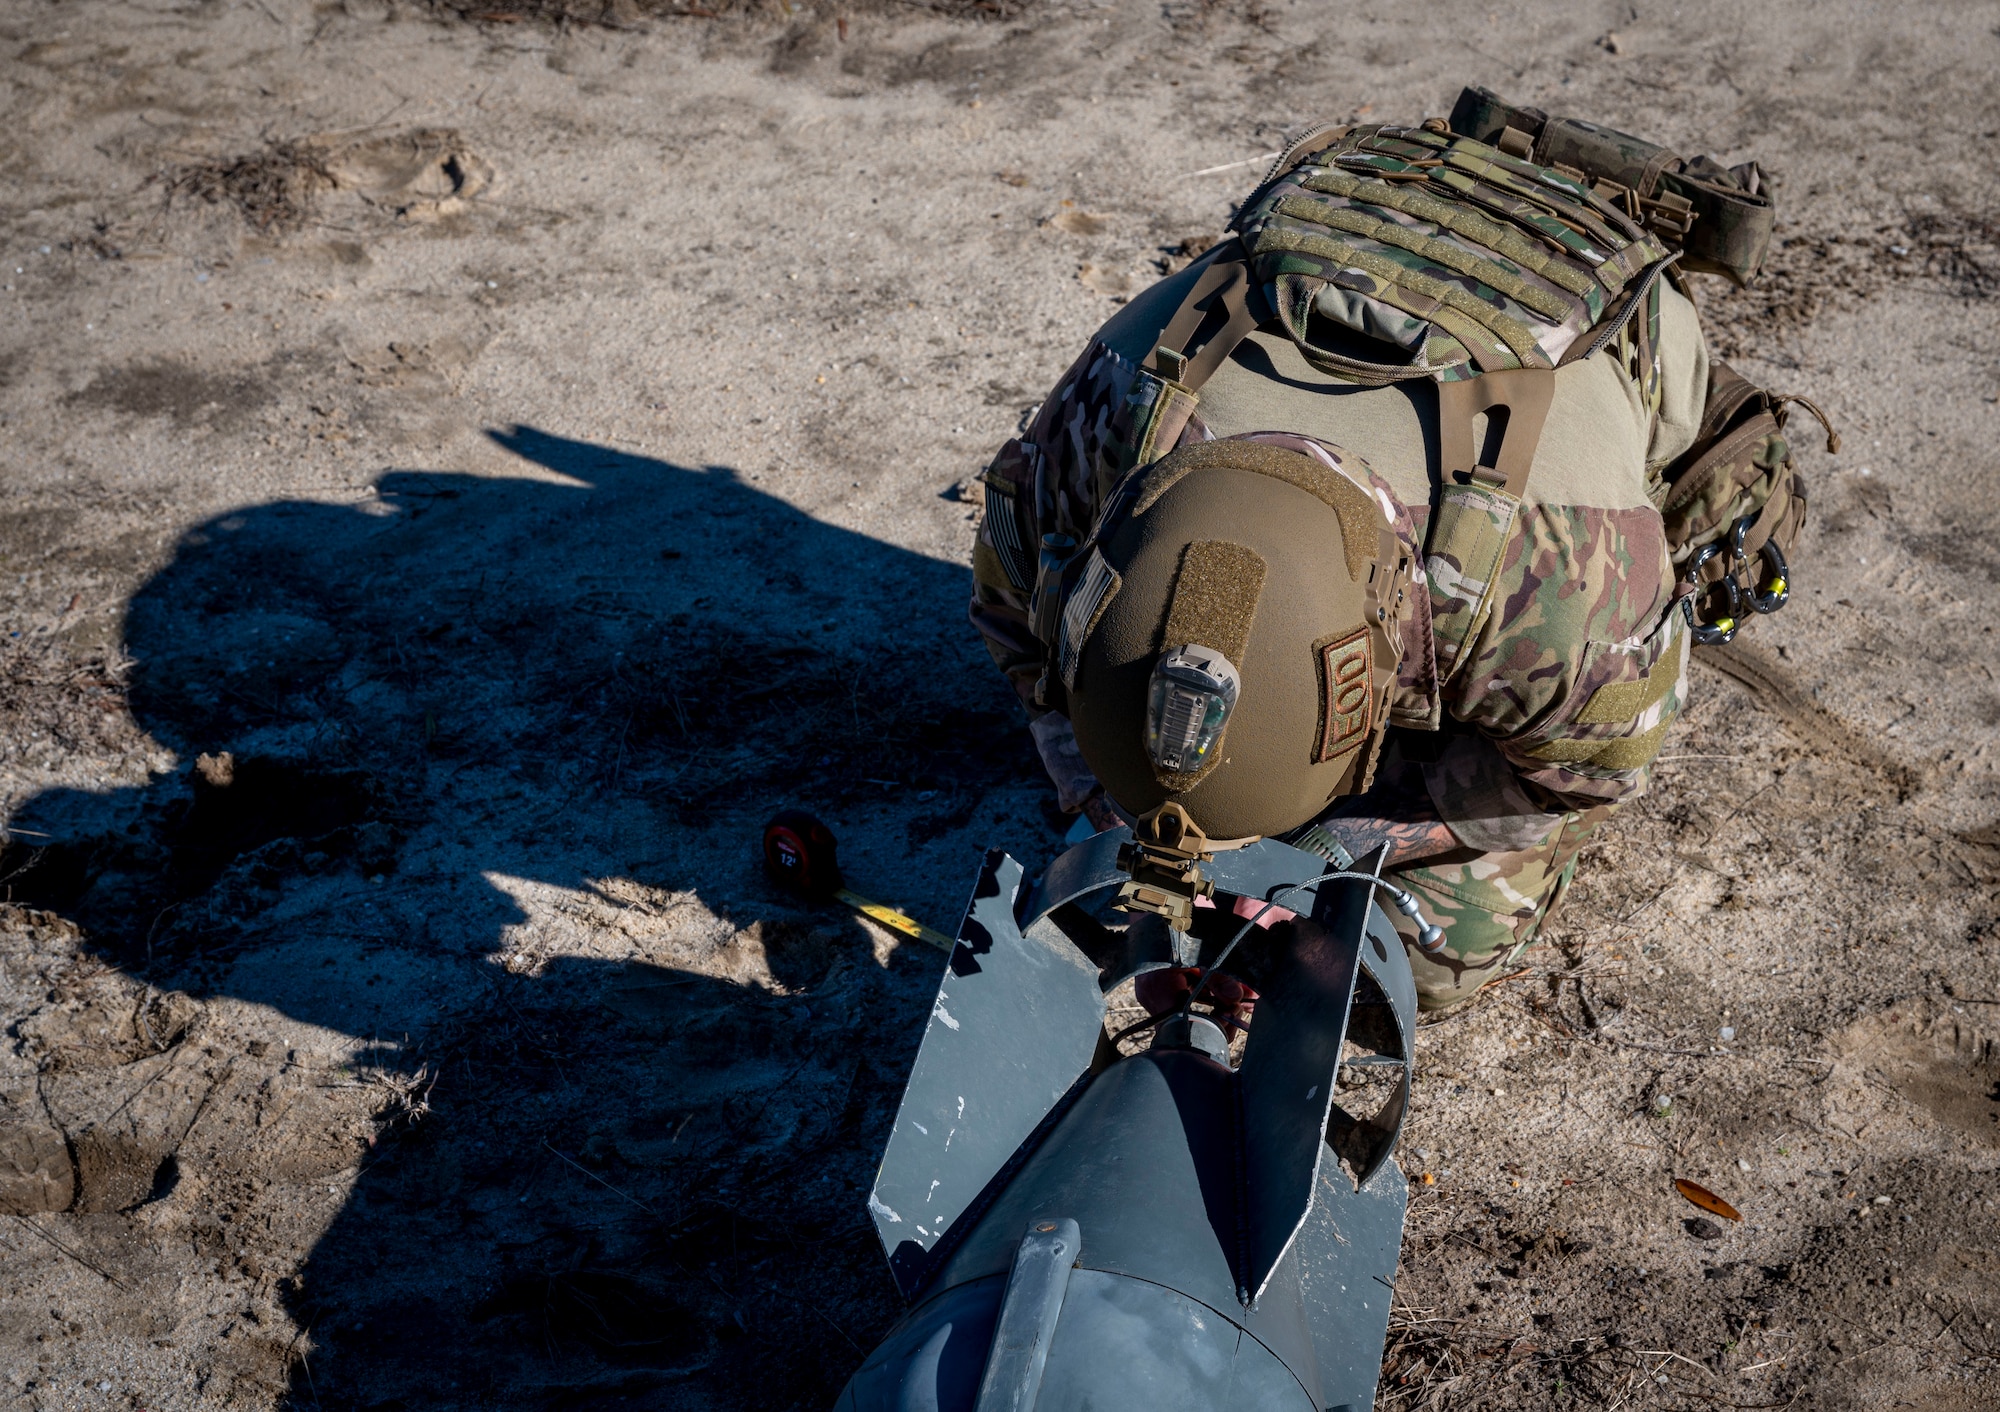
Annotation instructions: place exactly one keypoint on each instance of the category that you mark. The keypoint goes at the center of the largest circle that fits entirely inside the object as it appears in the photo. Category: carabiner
(1772, 591)
(1737, 532)
(1722, 629)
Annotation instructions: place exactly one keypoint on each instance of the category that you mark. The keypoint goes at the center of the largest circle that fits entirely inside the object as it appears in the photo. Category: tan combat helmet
(1230, 640)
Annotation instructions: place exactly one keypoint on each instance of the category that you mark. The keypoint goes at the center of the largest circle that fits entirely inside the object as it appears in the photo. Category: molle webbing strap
(1570, 236)
(1592, 213)
(1443, 252)
(1460, 220)
(1456, 258)
(1517, 336)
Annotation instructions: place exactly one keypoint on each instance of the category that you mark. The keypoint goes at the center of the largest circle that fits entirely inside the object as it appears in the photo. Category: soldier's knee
(1479, 947)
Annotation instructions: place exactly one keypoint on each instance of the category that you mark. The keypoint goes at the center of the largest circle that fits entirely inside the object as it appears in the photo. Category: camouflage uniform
(1554, 716)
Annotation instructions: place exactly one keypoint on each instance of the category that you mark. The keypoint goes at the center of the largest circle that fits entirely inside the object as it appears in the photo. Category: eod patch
(1345, 700)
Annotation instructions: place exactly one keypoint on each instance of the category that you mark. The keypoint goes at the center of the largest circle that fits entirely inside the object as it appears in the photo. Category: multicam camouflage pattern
(1702, 509)
(1739, 490)
(1583, 611)
(1582, 597)
(1568, 688)
(1105, 417)
(1718, 216)
(1492, 909)
(1575, 662)
(1474, 524)
(1467, 258)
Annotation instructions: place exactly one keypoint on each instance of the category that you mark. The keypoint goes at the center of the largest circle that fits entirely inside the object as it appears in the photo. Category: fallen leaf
(1706, 1199)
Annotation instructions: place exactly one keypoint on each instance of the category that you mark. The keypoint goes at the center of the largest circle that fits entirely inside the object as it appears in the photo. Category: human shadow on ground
(638, 1177)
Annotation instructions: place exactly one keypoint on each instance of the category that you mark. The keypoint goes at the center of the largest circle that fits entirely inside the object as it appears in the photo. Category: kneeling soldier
(1394, 517)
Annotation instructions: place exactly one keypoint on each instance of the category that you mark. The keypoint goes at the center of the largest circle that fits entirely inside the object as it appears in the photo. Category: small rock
(1741, 1165)
(1728, 1032)
(1881, 1201)
(1701, 1228)
(1662, 1102)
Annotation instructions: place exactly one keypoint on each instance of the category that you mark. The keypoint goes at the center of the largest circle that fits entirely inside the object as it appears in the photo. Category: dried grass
(274, 188)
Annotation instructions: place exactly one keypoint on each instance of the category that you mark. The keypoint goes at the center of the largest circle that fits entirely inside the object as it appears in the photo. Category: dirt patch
(623, 14)
(420, 174)
(473, 1063)
(239, 825)
(1809, 274)
(184, 395)
(273, 188)
(1961, 247)
(1944, 1068)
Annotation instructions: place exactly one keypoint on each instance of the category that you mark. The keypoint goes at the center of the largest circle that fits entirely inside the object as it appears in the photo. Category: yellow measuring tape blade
(890, 917)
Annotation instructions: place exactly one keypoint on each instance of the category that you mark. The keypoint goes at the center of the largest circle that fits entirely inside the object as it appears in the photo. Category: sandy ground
(461, 475)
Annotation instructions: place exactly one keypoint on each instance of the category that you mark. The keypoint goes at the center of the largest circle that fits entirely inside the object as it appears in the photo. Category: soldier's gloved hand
(1162, 991)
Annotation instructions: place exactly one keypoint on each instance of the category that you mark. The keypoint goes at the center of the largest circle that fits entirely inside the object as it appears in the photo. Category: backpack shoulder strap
(1479, 499)
(1218, 313)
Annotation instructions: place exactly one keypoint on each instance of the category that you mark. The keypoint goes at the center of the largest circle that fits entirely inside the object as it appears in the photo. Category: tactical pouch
(1734, 504)
(1719, 217)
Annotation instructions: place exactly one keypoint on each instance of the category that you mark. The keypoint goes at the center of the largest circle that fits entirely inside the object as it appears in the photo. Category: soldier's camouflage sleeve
(1582, 664)
(1051, 479)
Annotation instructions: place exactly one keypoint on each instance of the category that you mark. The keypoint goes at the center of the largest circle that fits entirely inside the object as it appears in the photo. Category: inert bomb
(1076, 1228)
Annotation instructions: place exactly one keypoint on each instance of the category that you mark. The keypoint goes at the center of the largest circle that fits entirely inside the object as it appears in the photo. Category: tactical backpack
(1734, 503)
(1485, 253)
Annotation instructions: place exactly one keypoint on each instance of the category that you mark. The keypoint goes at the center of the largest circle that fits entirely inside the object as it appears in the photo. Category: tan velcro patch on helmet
(1346, 701)
(1215, 598)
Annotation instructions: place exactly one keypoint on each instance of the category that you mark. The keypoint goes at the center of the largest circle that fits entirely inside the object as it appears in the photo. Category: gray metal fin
(1286, 1080)
(1028, 1313)
(1347, 1254)
(1015, 1023)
